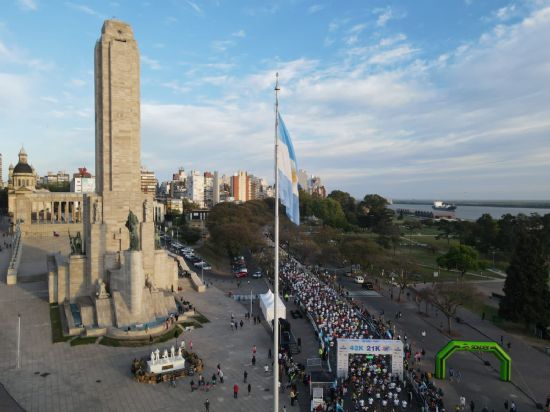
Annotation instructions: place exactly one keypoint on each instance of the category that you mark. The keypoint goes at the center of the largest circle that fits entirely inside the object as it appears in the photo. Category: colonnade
(56, 211)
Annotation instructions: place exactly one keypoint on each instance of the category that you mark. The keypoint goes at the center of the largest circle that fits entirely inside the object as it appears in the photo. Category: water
(474, 212)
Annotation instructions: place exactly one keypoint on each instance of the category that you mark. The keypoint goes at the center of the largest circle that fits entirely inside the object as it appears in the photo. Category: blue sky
(424, 99)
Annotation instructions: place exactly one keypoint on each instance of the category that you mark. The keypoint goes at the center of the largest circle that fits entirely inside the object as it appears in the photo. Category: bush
(83, 340)
(57, 329)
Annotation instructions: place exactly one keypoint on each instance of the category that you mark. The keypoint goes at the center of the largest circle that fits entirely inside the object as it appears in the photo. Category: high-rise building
(178, 186)
(148, 181)
(216, 190)
(303, 180)
(208, 190)
(316, 187)
(240, 186)
(195, 187)
(55, 178)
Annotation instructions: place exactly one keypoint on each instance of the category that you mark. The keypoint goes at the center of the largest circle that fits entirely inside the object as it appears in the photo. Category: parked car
(368, 285)
(240, 274)
(207, 267)
(200, 263)
(359, 279)
(257, 274)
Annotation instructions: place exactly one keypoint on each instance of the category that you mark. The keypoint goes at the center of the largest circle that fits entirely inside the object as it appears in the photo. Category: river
(474, 212)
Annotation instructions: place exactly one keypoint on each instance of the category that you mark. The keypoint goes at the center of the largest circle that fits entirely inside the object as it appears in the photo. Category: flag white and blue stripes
(288, 173)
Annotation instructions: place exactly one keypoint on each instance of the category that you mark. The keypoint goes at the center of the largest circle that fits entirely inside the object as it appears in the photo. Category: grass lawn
(57, 330)
(80, 340)
(201, 318)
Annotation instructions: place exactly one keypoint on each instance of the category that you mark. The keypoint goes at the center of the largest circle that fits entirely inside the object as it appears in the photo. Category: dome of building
(22, 168)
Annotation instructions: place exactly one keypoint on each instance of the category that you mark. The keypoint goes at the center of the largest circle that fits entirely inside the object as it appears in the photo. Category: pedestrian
(254, 349)
(509, 344)
(190, 345)
(231, 325)
(241, 323)
(235, 391)
(253, 360)
(269, 354)
(249, 389)
(501, 340)
(462, 402)
(192, 383)
(207, 405)
(472, 405)
(221, 376)
(513, 407)
(506, 404)
(245, 375)
(423, 333)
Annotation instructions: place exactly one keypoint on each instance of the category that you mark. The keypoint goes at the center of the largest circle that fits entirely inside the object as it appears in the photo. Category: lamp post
(250, 317)
(18, 341)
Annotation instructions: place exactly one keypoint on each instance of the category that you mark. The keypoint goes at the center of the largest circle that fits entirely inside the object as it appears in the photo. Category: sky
(407, 99)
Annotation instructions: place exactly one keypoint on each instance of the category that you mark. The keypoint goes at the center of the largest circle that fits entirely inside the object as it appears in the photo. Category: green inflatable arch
(456, 345)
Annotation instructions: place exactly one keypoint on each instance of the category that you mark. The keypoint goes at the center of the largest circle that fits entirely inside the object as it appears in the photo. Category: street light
(18, 341)
(250, 317)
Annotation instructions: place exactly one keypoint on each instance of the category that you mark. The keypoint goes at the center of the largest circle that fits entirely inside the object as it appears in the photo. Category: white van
(359, 279)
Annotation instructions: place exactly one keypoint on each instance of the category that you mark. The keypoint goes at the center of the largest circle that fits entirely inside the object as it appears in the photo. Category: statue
(132, 225)
(101, 292)
(152, 357)
(76, 244)
(172, 351)
(157, 354)
(146, 211)
(71, 243)
(179, 352)
(165, 354)
(97, 212)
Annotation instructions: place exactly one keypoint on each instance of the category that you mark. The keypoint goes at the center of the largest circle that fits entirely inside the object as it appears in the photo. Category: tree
(348, 204)
(448, 297)
(485, 232)
(461, 257)
(404, 270)
(526, 293)
(373, 214)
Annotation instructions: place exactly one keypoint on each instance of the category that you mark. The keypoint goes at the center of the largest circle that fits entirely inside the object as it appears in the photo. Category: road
(480, 382)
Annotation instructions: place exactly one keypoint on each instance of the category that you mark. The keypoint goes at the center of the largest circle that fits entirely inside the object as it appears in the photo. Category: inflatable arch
(456, 345)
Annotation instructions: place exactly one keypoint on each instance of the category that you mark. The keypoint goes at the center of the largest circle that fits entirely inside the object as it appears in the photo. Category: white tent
(267, 306)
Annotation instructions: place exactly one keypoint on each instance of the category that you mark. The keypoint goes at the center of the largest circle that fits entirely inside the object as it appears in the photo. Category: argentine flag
(288, 173)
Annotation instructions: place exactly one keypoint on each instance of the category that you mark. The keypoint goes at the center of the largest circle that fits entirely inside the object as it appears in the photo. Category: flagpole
(276, 272)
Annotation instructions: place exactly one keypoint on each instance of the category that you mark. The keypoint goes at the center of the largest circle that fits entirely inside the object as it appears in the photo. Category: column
(58, 212)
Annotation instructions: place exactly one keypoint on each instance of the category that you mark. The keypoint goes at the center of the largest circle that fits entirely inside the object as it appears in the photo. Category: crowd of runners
(370, 384)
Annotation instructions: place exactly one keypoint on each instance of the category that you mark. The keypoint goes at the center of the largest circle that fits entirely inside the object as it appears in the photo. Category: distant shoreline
(528, 204)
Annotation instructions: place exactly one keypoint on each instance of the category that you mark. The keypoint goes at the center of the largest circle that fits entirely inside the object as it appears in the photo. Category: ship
(439, 205)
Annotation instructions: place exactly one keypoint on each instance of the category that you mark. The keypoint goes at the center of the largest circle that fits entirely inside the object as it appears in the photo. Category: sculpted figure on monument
(97, 212)
(101, 292)
(76, 244)
(132, 225)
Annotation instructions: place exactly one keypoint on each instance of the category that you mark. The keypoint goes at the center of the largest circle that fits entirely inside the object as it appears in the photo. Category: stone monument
(119, 240)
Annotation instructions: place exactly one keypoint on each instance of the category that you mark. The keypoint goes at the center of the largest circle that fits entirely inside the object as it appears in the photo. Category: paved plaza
(58, 377)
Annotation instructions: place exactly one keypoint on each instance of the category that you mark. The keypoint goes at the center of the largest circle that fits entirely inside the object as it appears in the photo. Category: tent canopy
(267, 303)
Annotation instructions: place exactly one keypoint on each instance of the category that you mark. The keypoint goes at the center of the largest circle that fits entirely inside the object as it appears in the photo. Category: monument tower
(128, 280)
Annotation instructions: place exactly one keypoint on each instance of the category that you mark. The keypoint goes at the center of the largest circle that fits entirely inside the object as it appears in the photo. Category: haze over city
(381, 97)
